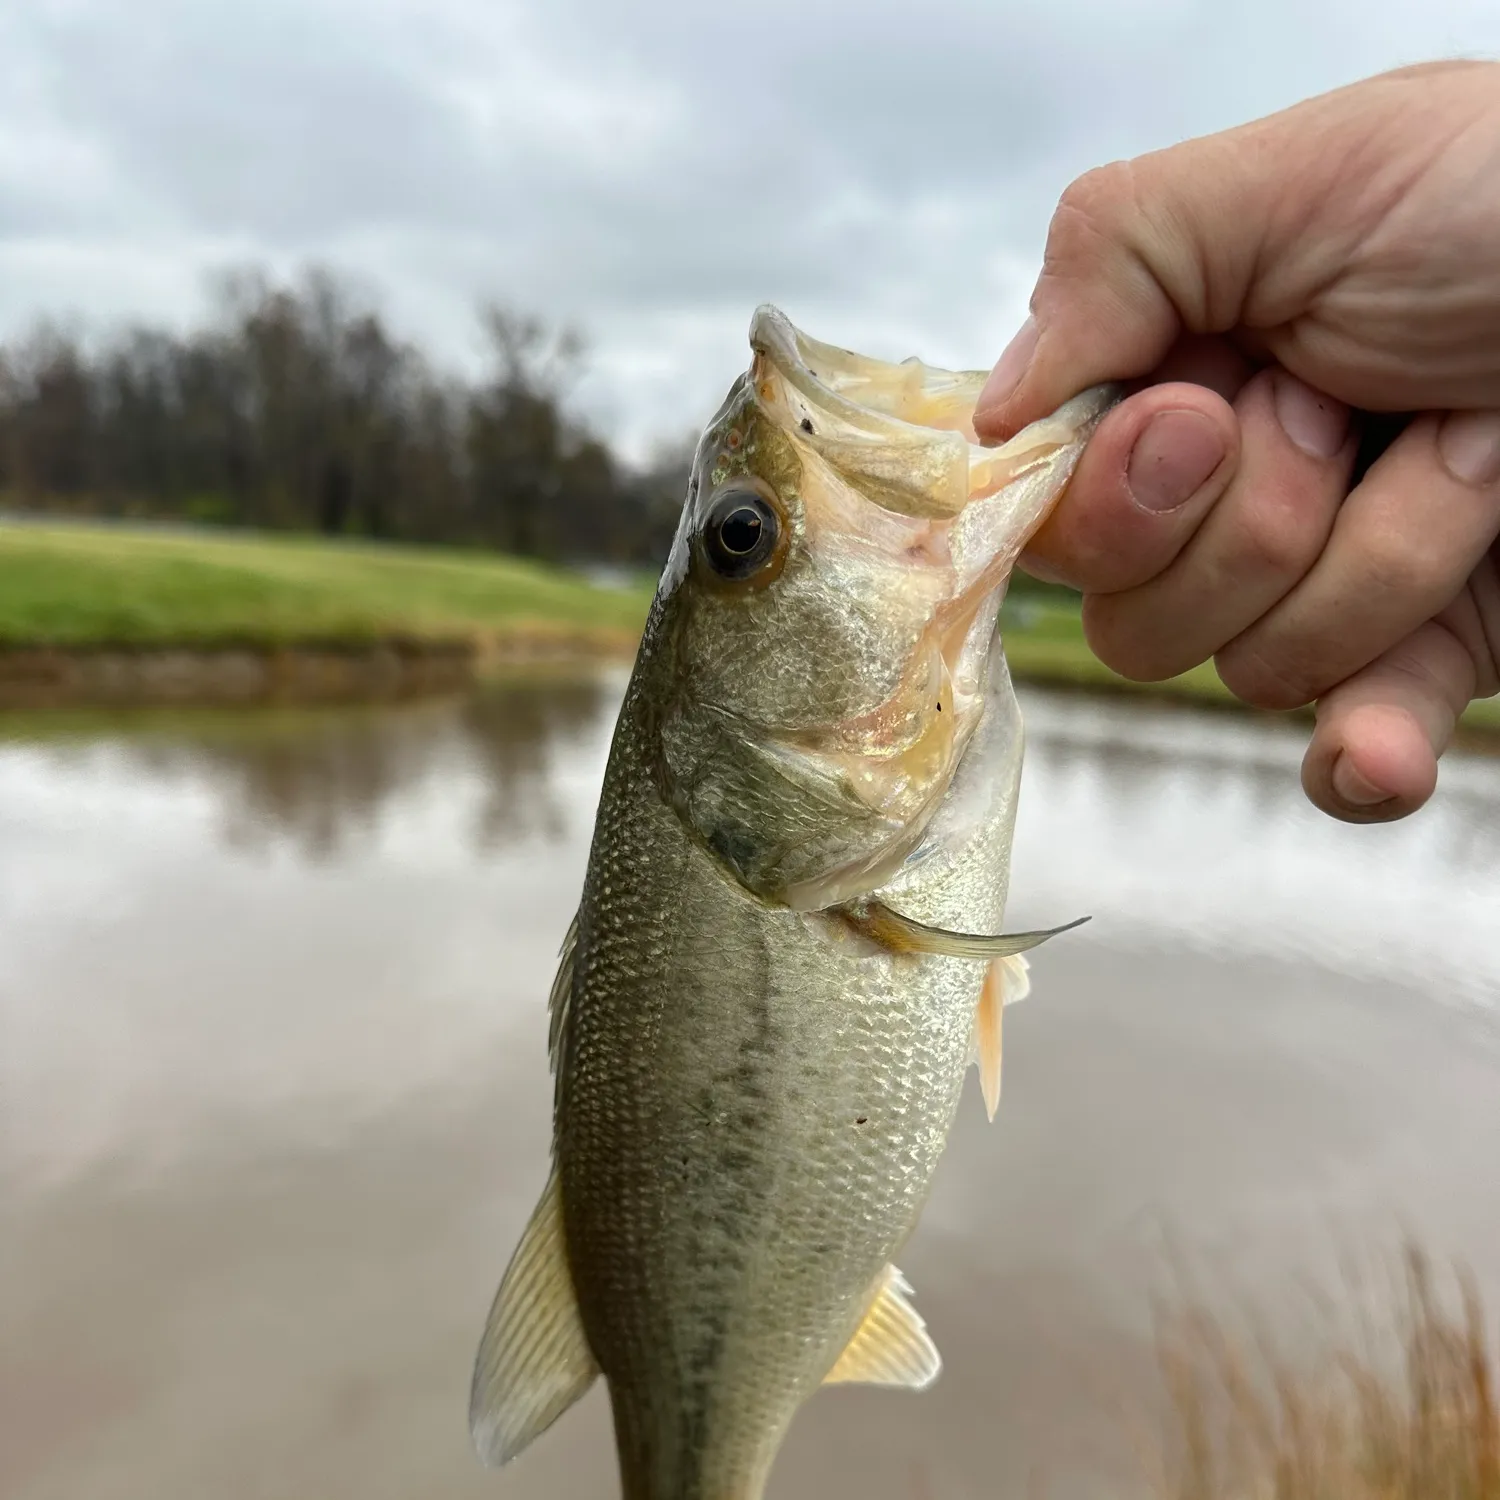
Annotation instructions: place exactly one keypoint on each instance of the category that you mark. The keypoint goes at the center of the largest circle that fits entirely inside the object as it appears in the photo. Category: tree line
(294, 407)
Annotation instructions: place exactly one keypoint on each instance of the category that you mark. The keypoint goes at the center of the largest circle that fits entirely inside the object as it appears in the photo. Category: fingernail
(1469, 445)
(1010, 367)
(1316, 423)
(1352, 788)
(1172, 459)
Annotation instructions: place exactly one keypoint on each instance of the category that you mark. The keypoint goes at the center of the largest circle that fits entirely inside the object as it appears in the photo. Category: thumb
(1138, 253)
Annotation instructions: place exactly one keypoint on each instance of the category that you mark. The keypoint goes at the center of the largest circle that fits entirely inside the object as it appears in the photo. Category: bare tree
(295, 407)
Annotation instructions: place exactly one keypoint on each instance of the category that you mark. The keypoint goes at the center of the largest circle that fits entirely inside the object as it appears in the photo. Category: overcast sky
(646, 169)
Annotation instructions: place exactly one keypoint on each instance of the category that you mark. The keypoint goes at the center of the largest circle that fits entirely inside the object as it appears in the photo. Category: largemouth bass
(786, 956)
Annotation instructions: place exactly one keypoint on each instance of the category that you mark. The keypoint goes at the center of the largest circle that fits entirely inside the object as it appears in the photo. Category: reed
(1401, 1406)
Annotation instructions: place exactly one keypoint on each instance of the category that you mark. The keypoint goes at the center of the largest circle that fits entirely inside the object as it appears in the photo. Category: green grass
(89, 586)
(1044, 643)
(85, 586)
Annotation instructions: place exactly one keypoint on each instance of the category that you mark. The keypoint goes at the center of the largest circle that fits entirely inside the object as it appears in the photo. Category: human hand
(1268, 288)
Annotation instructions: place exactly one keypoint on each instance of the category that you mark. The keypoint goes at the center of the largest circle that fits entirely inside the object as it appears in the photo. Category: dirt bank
(310, 672)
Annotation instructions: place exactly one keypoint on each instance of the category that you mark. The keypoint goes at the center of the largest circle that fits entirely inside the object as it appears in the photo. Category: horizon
(649, 179)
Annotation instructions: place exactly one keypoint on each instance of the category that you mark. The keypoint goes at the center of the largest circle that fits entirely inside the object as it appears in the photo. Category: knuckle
(1081, 548)
(1477, 634)
(1133, 647)
(1101, 193)
(1414, 668)
(1265, 682)
(1278, 541)
(1089, 214)
(1102, 569)
(1487, 660)
(1437, 662)
(1399, 562)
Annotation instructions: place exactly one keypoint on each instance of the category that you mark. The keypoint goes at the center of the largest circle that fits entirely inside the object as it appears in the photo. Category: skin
(752, 1093)
(1274, 293)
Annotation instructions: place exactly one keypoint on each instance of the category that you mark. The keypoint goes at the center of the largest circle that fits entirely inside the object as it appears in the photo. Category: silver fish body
(763, 1022)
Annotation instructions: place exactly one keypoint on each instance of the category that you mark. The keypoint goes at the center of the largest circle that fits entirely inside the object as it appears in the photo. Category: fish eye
(742, 532)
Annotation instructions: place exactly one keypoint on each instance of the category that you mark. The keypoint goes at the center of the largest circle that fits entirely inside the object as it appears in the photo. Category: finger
(1137, 253)
(1247, 230)
(1373, 756)
(1150, 474)
(1402, 547)
(1474, 617)
(1259, 541)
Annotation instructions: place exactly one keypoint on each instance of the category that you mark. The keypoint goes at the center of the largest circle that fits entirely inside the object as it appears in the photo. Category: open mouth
(902, 436)
(897, 465)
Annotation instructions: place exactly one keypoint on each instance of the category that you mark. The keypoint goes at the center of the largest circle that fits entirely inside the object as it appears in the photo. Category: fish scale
(708, 1333)
(772, 991)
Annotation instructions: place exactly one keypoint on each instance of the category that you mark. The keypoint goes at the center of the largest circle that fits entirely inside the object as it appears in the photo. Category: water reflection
(274, 1098)
(323, 780)
(515, 738)
(1191, 828)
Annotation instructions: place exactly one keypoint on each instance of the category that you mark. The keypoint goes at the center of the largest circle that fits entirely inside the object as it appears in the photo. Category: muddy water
(273, 1091)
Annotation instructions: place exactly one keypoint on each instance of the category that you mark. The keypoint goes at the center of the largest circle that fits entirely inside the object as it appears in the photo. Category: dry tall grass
(1403, 1407)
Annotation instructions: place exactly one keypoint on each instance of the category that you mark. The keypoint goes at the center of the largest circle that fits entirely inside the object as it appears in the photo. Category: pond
(274, 1095)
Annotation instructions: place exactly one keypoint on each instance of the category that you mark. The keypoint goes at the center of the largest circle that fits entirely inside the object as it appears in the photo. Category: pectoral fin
(891, 1346)
(907, 935)
(534, 1359)
(1006, 982)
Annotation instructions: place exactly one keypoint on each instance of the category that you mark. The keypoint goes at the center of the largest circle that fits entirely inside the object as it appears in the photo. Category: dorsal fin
(891, 1345)
(534, 1359)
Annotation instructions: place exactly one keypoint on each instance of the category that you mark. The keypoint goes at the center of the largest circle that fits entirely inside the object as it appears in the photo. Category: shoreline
(247, 674)
(400, 668)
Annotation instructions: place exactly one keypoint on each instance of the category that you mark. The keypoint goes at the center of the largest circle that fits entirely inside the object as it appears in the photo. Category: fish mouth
(901, 437)
(897, 761)
(903, 433)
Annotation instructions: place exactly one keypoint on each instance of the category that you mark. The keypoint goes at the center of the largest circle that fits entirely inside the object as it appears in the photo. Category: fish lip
(950, 446)
(774, 336)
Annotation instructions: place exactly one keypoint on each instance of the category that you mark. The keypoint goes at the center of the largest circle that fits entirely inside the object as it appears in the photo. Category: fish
(788, 952)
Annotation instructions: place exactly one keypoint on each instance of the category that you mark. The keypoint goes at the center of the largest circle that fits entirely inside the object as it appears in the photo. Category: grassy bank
(92, 587)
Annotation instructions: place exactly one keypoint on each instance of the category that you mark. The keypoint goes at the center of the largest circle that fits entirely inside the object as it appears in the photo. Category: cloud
(649, 171)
